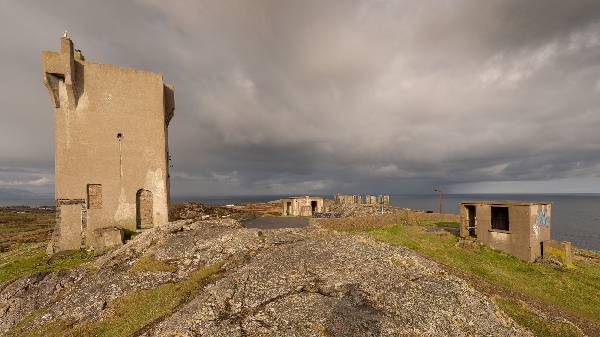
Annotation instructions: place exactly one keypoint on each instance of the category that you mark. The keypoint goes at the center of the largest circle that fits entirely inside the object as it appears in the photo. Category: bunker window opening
(500, 218)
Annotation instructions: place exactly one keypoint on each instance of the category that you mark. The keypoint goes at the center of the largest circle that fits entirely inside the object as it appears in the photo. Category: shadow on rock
(354, 315)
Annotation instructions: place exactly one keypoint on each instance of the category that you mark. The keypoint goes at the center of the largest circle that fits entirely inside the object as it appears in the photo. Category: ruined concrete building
(370, 200)
(342, 199)
(520, 228)
(111, 151)
(302, 206)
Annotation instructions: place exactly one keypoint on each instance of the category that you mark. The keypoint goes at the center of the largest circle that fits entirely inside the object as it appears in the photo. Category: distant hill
(13, 193)
(13, 196)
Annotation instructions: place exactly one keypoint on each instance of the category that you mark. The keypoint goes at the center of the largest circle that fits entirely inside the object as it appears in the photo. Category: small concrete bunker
(301, 206)
(515, 227)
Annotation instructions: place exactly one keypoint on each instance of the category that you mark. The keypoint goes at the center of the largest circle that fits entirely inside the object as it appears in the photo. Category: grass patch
(10, 217)
(24, 224)
(152, 265)
(29, 258)
(577, 290)
(15, 217)
(131, 313)
(437, 223)
(540, 326)
(18, 228)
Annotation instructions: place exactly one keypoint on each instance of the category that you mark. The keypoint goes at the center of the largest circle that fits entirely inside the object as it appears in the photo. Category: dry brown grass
(23, 224)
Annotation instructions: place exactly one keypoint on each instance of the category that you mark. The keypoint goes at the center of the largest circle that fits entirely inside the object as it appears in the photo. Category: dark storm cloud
(319, 96)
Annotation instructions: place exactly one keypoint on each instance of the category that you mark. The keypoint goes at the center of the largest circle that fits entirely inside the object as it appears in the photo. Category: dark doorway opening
(288, 209)
(471, 220)
(313, 206)
(500, 218)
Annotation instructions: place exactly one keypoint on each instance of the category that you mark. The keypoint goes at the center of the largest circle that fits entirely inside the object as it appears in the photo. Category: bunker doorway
(313, 206)
(471, 220)
(144, 209)
(288, 209)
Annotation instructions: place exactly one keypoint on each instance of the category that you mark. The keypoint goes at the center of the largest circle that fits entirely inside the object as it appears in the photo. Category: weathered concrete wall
(106, 238)
(71, 233)
(559, 252)
(524, 236)
(301, 206)
(370, 199)
(110, 136)
(540, 218)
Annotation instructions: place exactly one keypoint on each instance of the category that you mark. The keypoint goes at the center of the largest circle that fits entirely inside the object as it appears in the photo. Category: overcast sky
(290, 97)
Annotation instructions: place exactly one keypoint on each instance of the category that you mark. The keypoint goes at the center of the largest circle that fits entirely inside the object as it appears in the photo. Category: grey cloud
(319, 96)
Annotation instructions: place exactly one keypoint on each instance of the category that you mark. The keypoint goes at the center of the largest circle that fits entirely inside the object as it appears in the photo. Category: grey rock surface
(284, 282)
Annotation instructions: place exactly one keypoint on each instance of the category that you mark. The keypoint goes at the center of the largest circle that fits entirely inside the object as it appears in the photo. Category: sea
(575, 217)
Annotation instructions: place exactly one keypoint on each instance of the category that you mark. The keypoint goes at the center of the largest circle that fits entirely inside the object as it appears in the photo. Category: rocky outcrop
(286, 282)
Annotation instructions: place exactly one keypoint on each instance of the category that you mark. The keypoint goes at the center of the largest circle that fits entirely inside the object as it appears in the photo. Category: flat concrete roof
(305, 197)
(505, 202)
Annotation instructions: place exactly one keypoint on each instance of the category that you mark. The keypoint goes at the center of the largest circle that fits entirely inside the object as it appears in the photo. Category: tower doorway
(144, 209)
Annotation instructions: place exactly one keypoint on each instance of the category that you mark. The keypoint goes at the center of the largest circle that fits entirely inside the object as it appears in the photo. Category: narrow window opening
(500, 218)
(119, 138)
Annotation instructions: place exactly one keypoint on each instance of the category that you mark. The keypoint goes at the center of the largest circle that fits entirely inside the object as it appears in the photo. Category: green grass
(577, 290)
(29, 258)
(540, 326)
(128, 314)
(437, 223)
